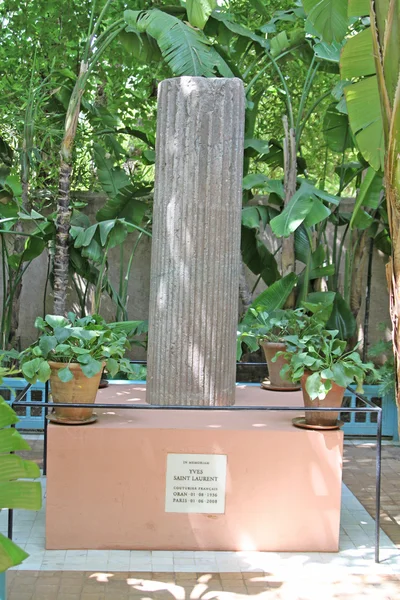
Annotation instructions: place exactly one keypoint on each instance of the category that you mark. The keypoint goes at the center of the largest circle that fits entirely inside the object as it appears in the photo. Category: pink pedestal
(106, 481)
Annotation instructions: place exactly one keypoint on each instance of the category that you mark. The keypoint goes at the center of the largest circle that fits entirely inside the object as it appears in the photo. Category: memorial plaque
(195, 483)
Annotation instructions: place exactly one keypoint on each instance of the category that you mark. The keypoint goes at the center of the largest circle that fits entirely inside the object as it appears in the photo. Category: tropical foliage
(13, 492)
(88, 341)
(316, 137)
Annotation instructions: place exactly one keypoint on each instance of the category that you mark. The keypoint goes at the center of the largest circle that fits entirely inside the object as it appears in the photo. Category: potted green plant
(71, 352)
(269, 330)
(323, 365)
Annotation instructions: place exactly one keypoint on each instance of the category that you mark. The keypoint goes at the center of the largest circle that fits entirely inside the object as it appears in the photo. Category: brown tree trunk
(357, 287)
(288, 259)
(61, 255)
(393, 280)
(63, 222)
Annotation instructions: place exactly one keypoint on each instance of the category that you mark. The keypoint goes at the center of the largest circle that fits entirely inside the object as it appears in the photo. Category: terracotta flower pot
(80, 389)
(270, 349)
(334, 398)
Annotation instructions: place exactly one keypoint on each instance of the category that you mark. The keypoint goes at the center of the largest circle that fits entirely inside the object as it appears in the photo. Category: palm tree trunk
(63, 221)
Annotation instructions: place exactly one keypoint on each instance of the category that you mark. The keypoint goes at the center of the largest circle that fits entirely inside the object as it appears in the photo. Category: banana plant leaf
(369, 194)
(341, 317)
(328, 17)
(198, 11)
(363, 98)
(186, 50)
(14, 493)
(274, 297)
(336, 129)
(304, 207)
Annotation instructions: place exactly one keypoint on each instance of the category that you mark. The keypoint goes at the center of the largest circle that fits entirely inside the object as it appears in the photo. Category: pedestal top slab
(246, 395)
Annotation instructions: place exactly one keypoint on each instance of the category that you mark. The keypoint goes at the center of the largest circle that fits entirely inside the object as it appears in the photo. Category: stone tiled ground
(359, 476)
(58, 585)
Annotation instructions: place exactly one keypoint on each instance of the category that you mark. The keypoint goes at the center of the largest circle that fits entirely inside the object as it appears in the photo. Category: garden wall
(32, 300)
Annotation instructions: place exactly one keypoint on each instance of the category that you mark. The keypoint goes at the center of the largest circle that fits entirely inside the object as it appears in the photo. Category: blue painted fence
(3, 595)
(364, 424)
(30, 418)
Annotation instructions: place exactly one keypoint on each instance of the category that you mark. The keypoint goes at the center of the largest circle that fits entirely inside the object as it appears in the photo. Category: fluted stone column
(195, 262)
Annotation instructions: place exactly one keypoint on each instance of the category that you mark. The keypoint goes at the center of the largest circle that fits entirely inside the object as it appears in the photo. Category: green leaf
(269, 268)
(21, 494)
(198, 11)
(185, 50)
(362, 220)
(329, 52)
(252, 216)
(254, 180)
(112, 366)
(336, 129)
(13, 185)
(363, 103)
(56, 321)
(33, 248)
(62, 334)
(302, 244)
(141, 46)
(357, 58)
(112, 179)
(341, 318)
(317, 387)
(105, 227)
(339, 375)
(369, 193)
(44, 372)
(328, 17)
(85, 236)
(293, 214)
(274, 297)
(11, 555)
(318, 213)
(149, 156)
(225, 20)
(130, 204)
(7, 414)
(47, 343)
(94, 252)
(358, 8)
(260, 146)
(65, 375)
(12, 441)
(248, 246)
(321, 303)
(31, 367)
(118, 234)
(92, 367)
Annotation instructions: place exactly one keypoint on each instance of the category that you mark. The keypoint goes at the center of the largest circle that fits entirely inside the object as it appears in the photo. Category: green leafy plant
(384, 374)
(323, 354)
(89, 341)
(265, 320)
(270, 326)
(14, 493)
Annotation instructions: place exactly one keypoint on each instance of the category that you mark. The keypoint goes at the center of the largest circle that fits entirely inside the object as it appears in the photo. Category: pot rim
(272, 344)
(73, 366)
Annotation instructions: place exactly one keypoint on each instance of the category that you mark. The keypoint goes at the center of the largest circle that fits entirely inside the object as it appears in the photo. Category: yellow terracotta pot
(333, 399)
(80, 389)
